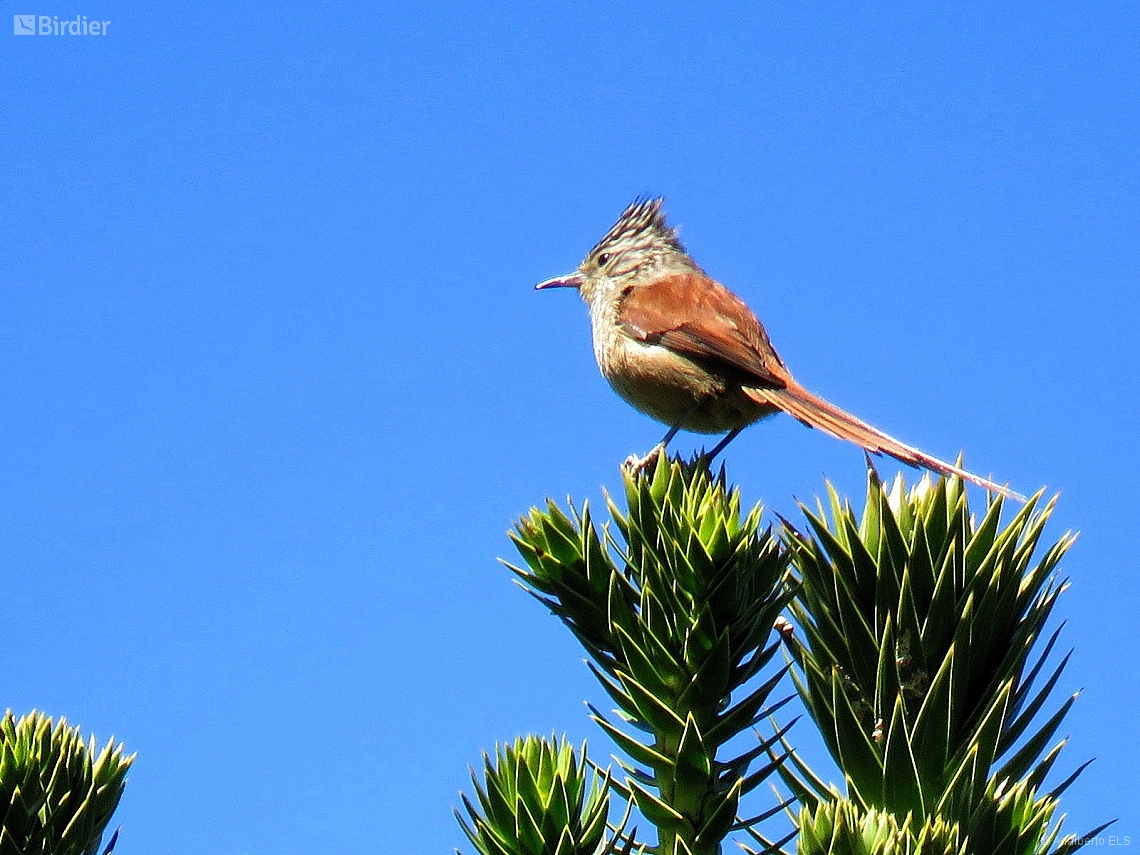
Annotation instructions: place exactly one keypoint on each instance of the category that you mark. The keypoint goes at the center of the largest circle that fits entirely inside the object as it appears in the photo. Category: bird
(684, 349)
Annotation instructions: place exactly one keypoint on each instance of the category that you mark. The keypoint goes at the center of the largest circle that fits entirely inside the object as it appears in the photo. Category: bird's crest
(641, 225)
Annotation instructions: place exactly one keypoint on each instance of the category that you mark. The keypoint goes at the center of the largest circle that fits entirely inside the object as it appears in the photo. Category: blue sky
(275, 382)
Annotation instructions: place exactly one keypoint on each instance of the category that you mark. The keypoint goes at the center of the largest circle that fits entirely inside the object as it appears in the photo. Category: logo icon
(24, 25)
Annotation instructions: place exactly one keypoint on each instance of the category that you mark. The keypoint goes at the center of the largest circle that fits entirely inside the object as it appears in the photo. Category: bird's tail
(815, 412)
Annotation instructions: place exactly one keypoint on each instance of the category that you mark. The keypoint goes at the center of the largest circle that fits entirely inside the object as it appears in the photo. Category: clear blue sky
(274, 383)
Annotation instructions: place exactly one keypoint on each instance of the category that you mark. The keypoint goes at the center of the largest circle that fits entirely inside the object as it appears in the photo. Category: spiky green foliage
(57, 794)
(677, 617)
(538, 798)
(920, 622)
(1018, 822)
(843, 827)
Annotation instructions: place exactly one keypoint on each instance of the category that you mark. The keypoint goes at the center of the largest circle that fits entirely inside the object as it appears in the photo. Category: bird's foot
(638, 465)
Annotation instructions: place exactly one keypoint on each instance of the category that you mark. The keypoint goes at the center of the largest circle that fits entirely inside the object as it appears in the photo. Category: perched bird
(685, 350)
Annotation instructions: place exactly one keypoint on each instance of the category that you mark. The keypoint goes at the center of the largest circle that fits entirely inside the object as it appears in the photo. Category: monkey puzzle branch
(922, 667)
(676, 617)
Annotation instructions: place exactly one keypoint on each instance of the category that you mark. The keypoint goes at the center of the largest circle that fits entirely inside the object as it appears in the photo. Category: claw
(639, 465)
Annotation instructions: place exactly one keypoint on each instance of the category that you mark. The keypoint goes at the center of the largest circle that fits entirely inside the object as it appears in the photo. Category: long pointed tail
(815, 412)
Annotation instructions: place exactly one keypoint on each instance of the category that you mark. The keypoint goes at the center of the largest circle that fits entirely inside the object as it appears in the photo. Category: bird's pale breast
(673, 389)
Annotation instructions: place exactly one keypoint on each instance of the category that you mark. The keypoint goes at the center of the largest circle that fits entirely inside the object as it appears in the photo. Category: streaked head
(638, 242)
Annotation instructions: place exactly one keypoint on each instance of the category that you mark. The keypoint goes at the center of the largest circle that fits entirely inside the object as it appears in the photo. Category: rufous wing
(696, 316)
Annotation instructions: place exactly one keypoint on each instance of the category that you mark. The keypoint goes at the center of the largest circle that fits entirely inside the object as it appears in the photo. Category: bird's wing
(696, 316)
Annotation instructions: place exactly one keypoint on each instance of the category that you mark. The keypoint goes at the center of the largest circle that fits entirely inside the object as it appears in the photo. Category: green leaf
(693, 767)
(745, 713)
(655, 810)
(1022, 760)
(721, 817)
(651, 709)
(859, 757)
(1025, 718)
(640, 753)
(902, 783)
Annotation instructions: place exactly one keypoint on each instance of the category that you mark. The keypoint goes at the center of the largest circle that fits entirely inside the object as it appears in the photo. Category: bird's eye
(603, 258)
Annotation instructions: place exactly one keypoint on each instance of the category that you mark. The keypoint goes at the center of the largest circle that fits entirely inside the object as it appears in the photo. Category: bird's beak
(570, 280)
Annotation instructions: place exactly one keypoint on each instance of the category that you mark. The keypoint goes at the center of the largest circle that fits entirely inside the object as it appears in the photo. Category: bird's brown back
(697, 317)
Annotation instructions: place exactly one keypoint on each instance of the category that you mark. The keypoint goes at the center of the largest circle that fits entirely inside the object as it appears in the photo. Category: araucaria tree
(57, 793)
(912, 634)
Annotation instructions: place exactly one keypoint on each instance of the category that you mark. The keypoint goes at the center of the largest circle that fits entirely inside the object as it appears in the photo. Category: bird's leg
(720, 446)
(637, 465)
(668, 438)
(640, 464)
